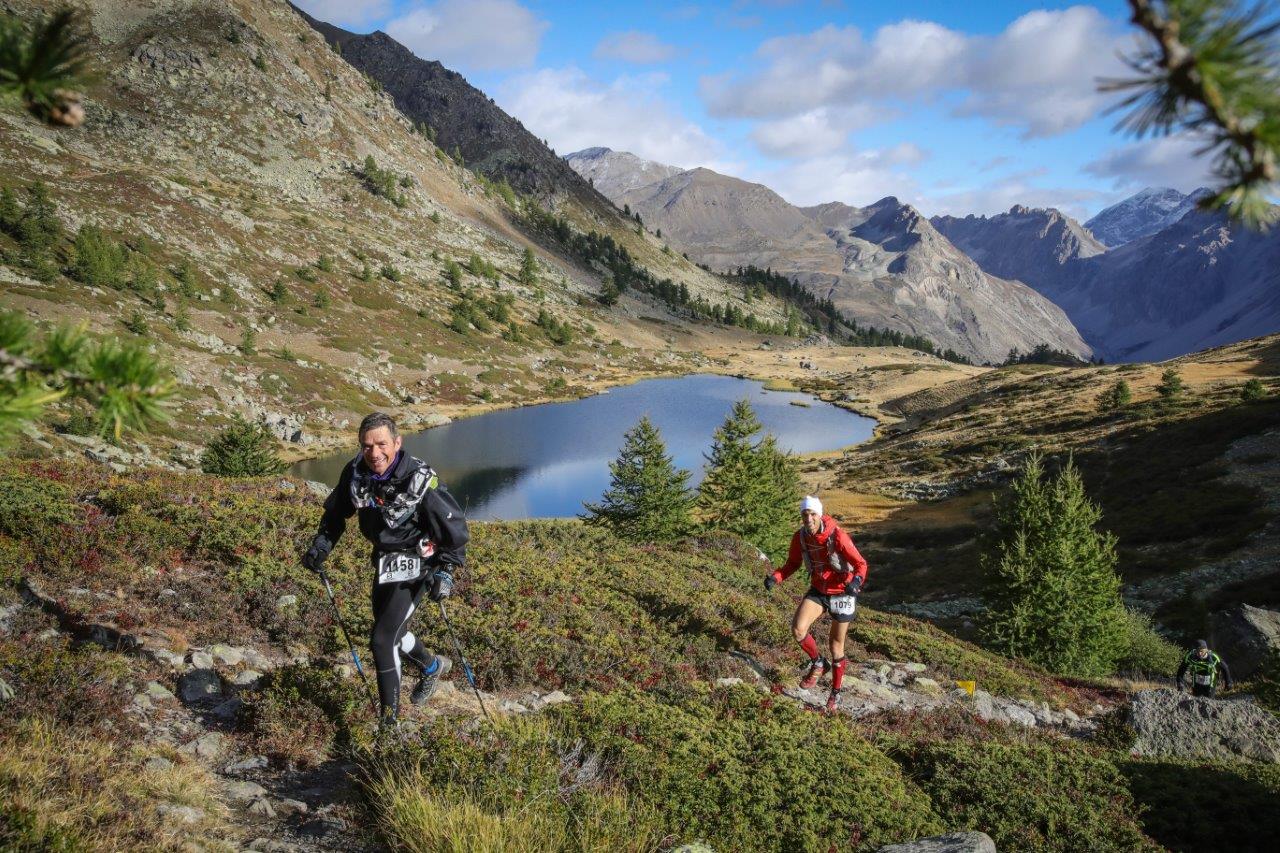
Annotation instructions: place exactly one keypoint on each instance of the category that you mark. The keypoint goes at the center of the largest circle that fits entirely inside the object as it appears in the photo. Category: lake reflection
(544, 461)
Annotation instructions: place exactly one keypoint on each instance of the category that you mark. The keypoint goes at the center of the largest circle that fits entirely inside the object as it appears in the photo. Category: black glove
(317, 553)
(854, 586)
(441, 585)
(770, 582)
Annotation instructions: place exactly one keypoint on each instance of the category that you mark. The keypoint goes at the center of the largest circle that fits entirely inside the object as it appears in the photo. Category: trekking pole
(350, 645)
(466, 667)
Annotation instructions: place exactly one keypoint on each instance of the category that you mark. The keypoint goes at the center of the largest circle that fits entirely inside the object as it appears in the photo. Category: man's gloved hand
(441, 585)
(854, 586)
(770, 582)
(317, 553)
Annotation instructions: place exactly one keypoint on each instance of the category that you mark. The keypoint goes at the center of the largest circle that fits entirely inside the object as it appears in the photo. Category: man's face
(1202, 653)
(379, 449)
(812, 521)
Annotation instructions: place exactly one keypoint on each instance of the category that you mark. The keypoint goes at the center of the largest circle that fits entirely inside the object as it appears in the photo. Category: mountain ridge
(876, 273)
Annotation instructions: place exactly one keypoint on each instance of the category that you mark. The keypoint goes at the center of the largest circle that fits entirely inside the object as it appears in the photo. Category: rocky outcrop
(952, 842)
(462, 117)
(1183, 726)
(1245, 636)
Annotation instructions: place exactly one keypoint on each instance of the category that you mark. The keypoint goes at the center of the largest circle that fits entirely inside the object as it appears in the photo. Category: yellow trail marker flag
(968, 686)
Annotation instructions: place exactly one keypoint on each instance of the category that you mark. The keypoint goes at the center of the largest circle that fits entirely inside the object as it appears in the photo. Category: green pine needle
(38, 61)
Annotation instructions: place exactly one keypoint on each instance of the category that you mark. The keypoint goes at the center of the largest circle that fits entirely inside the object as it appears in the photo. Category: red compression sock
(810, 647)
(837, 673)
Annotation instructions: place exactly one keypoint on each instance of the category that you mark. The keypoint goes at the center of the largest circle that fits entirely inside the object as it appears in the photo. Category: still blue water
(544, 461)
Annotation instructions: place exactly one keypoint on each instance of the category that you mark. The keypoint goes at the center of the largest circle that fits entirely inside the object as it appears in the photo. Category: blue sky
(956, 107)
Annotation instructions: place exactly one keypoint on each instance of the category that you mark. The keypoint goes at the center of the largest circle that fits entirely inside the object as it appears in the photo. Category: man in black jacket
(419, 538)
(1203, 667)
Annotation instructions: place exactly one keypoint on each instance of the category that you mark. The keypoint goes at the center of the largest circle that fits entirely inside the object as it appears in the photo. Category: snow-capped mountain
(1143, 213)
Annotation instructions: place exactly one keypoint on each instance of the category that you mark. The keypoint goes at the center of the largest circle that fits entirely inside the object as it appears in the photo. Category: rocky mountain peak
(1141, 214)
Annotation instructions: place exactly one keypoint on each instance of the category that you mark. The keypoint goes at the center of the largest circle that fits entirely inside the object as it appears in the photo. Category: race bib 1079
(842, 605)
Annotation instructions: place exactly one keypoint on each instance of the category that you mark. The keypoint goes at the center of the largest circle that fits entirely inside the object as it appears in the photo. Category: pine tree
(1252, 390)
(44, 63)
(1054, 597)
(648, 498)
(1116, 397)
(124, 383)
(242, 450)
(1209, 72)
(529, 268)
(751, 488)
(1170, 388)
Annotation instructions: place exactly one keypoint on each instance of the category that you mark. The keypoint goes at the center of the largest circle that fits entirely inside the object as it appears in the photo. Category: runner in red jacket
(836, 574)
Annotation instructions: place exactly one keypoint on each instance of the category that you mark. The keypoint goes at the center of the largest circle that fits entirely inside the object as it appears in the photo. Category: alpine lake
(544, 461)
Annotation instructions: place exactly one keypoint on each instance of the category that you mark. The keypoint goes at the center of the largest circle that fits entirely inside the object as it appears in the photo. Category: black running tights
(390, 639)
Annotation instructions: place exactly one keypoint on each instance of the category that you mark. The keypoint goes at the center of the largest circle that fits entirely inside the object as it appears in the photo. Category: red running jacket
(832, 558)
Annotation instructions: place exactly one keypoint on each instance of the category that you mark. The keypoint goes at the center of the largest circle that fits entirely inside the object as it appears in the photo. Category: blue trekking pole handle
(355, 658)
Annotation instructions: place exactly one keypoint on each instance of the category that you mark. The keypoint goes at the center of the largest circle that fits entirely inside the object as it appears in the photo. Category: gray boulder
(1245, 636)
(952, 842)
(200, 685)
(1184, 726)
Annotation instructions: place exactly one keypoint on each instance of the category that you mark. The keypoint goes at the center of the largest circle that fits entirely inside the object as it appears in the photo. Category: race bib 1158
(394, 568)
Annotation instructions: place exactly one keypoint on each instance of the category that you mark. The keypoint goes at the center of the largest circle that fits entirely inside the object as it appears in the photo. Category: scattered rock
(508, 706)
(244, 792)
(208, 746)
(157, 763)
(246, 678)
(1020, 715)
(1245, 636)
(201, 660)
(157, 691)
(291, 806)
(727, 682)
(1184, 726)
(927, 685)
(285, 601)
(953, 842)
(180, 814)
(200, 685)
(227, 655)
(255, 762)
(227, 711)
(556, 697)
(168, 658)
(262, 807)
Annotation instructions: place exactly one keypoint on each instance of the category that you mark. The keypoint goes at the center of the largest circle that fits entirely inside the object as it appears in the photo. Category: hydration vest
(1206, 666)
(395, 504)
(836, 561)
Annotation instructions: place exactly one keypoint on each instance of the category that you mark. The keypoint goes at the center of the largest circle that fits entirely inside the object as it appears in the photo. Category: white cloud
(573, 112)
(354, 14)
(1039, 74)
(855, 178)
(994, 199)
(1168, 161)
(634, 46)
(474, 34)
(819, 131)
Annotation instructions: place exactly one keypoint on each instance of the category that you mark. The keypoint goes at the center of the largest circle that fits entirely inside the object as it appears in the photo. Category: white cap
(810, 502)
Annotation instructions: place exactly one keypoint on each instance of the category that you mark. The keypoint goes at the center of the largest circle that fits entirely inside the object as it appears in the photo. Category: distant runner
(836, 574)
(419, 537)
(1203, 666)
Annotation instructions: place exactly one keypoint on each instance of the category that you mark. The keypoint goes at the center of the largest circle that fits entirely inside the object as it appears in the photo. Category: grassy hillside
(1188, 486)
(264, 216)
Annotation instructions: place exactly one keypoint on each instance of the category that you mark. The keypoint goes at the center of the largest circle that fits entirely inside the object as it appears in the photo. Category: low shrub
(516, 786)
(1050, 795)
(1192, 806)
(300, 713)
(1146, 652)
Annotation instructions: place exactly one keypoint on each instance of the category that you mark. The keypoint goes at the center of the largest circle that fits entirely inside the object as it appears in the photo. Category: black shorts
(826, 602)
